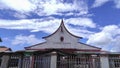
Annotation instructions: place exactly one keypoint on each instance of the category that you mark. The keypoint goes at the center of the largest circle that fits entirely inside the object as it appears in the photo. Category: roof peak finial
(62, 21)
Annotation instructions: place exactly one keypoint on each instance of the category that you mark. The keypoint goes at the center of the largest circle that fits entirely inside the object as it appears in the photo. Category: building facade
(61, 49)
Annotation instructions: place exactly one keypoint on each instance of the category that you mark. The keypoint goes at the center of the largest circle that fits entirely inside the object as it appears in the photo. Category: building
(5, 49)
(61, 49)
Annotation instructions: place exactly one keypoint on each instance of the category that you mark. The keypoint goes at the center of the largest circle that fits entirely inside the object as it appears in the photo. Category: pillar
(104, 61)
(53, 63)
(5, 61)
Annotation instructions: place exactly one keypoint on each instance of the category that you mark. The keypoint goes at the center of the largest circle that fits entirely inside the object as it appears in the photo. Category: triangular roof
(62, 39)
(4, 49)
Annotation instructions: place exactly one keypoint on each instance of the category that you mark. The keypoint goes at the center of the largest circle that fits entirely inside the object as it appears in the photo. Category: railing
(36, 61)
(26, 62)
(78, 62)
(14, 61)
(42, 61)
(114, 62)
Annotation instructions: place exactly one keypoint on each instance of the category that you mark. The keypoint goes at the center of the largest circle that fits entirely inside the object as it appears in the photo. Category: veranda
(59, 59)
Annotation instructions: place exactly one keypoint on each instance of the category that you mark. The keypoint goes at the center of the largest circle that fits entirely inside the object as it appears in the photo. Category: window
(117, 63)
(114, 61)
(14, 61)
(61, 39)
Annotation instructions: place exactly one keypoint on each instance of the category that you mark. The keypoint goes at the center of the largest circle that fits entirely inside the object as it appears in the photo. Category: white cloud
(20, 15)
(117, 3)
(98, 3)
(46, 7)
(81, 32)
(50, 24)
(116, 46)
(85, 22)
(47, 25)
(19, 5)
(55, 7)
(112, 29)
(22, 40)
(107, 38)
(82, 23)
(101, 38)
(44, 24)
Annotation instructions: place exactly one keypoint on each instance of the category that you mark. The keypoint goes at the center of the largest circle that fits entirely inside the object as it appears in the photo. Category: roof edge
(62, 23)
(90, 45)
(34, 45)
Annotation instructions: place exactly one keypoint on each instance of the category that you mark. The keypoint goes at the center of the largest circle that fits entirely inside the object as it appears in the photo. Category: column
(93, 60)
(32, 61)
(5, 61)
(53, 63)
(104, 61)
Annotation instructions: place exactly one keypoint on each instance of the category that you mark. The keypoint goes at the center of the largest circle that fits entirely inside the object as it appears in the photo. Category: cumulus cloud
(49, 25)
(81, 32)
(117, 3)
(20, 15)
(107, 39)
(101, 38)
(21, 40)
(116, 46)
(85, 22)
(98, 3)
(46, 7)
(19, 5)
(45, 24)
(49, 7)
(80, 26)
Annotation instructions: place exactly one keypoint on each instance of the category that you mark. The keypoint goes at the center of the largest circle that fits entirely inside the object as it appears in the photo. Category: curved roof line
(62, 23)
(90, 45)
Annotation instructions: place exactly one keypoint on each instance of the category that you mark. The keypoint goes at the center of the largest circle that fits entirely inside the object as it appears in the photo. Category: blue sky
(24, 22)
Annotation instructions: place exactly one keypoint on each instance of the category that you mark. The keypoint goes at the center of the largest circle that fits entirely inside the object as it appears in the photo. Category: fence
(14, 61)
(78, 62)
(66, 61)
(114, 62)
(42, 61)
(26, 62)
(36, 61)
